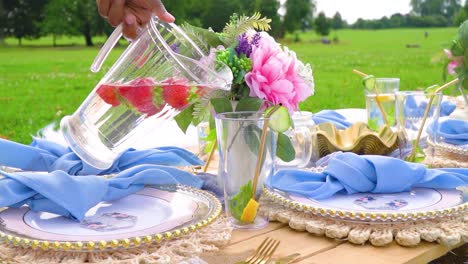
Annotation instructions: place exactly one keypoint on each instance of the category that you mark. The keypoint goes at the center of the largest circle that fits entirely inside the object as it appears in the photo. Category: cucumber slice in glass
(369, 82)
(280, 120)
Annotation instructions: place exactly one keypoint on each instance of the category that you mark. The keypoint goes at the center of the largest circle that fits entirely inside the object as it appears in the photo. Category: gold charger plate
(151, 215)
(357, 138)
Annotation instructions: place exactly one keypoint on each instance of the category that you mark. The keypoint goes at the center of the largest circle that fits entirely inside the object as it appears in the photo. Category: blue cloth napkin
(72, 196)
(413, 109)
(350, 173)
(452, 131)
(44, 155)
(331, 116)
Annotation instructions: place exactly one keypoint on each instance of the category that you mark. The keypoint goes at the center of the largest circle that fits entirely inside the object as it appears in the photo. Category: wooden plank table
(317, 249)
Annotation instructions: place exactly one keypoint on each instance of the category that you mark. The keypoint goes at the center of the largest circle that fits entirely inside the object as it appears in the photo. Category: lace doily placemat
(208, 239)
(446, 231)
(438, 158)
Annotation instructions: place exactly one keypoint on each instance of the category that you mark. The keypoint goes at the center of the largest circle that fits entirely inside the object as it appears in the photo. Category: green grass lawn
(39, 84)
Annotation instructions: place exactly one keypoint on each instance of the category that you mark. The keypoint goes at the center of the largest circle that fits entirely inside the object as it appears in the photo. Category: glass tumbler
(302, 136)
(380, 102)
(411, 107)
(239, 142)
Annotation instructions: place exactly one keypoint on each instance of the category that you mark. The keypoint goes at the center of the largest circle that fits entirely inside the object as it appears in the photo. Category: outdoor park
(44, 62)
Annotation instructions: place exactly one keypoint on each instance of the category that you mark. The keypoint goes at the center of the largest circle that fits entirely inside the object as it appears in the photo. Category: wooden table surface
(317, 249)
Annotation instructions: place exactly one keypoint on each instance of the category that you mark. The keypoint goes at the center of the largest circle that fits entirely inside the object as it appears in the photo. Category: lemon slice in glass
(250, 211)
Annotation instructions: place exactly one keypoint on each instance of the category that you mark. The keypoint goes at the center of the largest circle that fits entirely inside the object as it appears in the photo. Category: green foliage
(240, 200)
(22, 18)
(337, 22)
(184, 118)
(322, 24)
(240, 24)
(284, 148)
(217, 12)
(58, 19)
(269, 8)
(298, 12)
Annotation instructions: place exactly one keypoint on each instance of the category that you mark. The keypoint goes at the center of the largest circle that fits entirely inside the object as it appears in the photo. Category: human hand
(132, 13)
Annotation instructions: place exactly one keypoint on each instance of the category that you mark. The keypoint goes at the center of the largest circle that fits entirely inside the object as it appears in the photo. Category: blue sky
(351, 10)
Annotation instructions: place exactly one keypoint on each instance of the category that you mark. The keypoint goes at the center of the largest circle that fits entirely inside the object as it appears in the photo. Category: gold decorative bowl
(358, 138)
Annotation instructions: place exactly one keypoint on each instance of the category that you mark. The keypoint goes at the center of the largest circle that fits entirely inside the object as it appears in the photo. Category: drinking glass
(380, 102)
(160, 74)
(302, 136)
(238, 135)
(410, 110)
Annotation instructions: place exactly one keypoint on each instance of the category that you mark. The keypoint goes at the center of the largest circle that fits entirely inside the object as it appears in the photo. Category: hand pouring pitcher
(160, 74)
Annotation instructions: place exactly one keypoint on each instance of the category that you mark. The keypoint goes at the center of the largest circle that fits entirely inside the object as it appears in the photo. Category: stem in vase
(261, 148)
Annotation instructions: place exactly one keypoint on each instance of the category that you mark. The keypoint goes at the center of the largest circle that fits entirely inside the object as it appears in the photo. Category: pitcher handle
(106, 48)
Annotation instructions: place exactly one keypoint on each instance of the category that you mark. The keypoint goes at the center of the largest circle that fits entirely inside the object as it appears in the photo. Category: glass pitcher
(160, 74)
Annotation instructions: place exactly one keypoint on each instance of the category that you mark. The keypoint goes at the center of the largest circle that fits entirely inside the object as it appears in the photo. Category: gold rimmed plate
(417, 204)
(148, 216)
(357, 138)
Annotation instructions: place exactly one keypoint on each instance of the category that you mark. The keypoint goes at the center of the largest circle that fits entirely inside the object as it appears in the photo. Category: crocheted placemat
(438, 158)
(183, 249)
(447, 231)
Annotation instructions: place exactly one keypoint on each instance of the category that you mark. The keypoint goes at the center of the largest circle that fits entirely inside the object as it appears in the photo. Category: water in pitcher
(119, 113)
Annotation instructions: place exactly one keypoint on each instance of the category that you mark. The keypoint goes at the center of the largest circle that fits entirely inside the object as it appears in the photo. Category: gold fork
(264, 252)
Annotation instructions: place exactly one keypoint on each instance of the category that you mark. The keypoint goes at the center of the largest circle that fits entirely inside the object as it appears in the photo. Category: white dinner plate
(147, 216)
(419, 203)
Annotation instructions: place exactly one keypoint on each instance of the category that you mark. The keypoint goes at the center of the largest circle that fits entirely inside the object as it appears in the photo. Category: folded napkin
(452, 131)
(350, 173)
(413, 109)
(44, 155)
(72, 196)
(330, 116)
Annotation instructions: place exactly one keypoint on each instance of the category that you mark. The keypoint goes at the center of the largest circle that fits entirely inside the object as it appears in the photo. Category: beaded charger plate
(419, 203)
(148, 216)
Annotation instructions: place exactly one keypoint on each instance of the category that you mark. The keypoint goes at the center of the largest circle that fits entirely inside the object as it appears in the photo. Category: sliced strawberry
(108, 93)
(176, 95)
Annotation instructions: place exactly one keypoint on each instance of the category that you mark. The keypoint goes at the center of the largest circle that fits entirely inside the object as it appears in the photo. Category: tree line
(31, 19)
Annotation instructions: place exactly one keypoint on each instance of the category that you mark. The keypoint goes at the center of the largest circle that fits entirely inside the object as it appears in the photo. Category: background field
(40, 84)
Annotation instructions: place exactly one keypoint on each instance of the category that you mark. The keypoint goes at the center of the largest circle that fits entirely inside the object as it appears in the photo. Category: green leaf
(249, 104)
(184, 118)
(456, 49)
(221, 105)
(252, 135)
(463, 35)
(418, 156)
(284, 148)
(202, 36)
(240, 200)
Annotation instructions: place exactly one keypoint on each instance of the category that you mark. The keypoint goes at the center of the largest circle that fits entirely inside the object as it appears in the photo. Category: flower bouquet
(265, 73)
(457, 56)
(266, 76)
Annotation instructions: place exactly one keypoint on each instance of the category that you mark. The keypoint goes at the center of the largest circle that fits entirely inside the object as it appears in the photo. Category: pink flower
(455, 61)
(275, 75)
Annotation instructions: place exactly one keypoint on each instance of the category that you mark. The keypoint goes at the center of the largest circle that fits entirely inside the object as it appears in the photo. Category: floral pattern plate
(419, 203)
(148, 216)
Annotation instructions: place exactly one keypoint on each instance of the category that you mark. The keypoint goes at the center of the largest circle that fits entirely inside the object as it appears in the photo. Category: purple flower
(246, 42)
